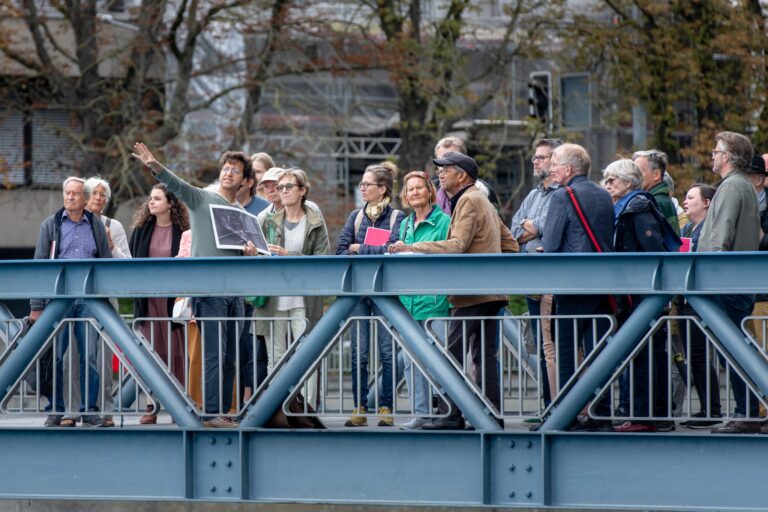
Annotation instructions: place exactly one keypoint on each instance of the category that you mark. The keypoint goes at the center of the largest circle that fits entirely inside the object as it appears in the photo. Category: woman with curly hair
(157, 229)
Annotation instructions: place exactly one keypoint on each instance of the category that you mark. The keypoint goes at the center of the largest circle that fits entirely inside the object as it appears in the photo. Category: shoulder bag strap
(583, 219)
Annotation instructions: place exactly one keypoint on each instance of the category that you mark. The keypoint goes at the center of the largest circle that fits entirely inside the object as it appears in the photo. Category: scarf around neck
(374, 211)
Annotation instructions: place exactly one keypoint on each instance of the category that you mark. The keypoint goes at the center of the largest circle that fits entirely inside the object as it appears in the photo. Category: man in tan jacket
(475, 229)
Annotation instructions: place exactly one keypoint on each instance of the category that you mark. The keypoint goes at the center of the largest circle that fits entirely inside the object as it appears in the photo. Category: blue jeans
(219, 337)
(83, 332)
(360, 350)
(419, 388)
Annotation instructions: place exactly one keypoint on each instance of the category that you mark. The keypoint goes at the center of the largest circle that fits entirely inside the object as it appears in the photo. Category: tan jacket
(475, 228)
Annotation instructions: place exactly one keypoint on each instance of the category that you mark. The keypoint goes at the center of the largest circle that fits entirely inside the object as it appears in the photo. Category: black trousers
(481, 340)
(572, 335)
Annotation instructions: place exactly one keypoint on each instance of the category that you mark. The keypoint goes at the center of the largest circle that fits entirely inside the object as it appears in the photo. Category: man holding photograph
(234, 168)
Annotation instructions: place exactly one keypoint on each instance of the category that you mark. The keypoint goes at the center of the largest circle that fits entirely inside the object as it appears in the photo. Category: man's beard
(540, 175)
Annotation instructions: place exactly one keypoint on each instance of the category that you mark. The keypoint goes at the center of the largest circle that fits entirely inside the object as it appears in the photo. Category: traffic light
(539, 96)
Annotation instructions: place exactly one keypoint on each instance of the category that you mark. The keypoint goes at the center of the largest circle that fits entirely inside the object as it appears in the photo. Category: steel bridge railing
(144, 378)
(490, 467)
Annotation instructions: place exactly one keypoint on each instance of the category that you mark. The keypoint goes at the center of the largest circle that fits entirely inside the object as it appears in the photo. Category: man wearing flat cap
(475, 229)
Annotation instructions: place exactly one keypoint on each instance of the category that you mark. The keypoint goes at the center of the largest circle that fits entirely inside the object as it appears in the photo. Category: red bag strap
(583, 219)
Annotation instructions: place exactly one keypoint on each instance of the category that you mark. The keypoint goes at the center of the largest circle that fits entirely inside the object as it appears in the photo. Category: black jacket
(140, 239)
(764, 227)
(638, 228)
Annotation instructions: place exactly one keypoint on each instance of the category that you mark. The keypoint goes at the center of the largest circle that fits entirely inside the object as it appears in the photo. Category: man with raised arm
(218, 337)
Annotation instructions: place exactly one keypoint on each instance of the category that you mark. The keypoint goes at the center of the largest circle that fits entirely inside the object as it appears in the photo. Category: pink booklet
(376, 237)
(686, 245)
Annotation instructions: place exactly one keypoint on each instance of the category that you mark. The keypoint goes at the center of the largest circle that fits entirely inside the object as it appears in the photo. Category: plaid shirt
(76, 239)
(535, 207)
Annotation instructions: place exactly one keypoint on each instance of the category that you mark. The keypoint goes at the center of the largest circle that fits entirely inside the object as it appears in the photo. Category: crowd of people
(451, 212)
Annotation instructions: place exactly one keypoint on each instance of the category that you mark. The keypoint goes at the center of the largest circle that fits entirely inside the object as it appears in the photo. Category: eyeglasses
(287, 186)
(234, 171)
(609, 181)
(443, 170)
(99, 194)
(540, 158)
(364, 185)
(716, 151)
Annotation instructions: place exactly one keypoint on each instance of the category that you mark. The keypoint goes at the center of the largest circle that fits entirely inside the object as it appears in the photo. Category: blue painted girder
(466, 274)
(528, 470)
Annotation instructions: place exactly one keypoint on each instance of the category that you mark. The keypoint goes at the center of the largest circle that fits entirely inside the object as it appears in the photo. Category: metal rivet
(529, 469)
(213, 463)
(511, 444)
(212, 440)
(529, 444)
(229, 463)
(528, 494)
(227, 441)
(512, 467)
(512, 494)
(229, 489)
(213, 489)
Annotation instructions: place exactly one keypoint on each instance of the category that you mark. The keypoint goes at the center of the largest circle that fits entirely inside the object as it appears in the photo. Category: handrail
(578, 274)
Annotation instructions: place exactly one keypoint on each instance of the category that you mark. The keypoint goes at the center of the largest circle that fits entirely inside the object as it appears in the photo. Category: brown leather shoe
(148, 419)
(739, 427)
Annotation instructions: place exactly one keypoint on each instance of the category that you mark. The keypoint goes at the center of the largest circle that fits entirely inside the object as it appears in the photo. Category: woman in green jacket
(293, 230)
(427, 223)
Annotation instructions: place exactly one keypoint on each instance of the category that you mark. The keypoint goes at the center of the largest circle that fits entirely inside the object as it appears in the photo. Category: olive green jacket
(316, 243)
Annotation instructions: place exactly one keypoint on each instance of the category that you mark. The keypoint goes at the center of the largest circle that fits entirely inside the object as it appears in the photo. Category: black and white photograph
(234, 227)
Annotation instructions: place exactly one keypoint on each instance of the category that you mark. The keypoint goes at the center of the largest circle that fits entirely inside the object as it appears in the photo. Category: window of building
(11, 148)
(575, 104)
(43, 139)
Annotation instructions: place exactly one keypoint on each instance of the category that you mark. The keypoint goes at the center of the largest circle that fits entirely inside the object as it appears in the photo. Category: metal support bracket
(145, 366)
(308, 350)
(416, 342)
(598, 373)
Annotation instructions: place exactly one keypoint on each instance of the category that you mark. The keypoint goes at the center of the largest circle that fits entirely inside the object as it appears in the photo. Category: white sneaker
(414, 424)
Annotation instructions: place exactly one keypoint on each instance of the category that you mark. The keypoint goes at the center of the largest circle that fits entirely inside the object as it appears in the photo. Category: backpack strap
(393, 219)
(358, 223)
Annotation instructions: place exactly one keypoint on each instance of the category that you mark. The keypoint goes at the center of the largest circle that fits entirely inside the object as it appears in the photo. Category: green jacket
(661, 193)
(433, 229)
(316, 243)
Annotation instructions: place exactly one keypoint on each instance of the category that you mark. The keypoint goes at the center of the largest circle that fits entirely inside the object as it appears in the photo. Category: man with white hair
(565, 232)
(72, 233)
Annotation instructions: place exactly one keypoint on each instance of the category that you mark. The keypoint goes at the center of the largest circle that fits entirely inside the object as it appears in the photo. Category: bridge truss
(488, 467)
